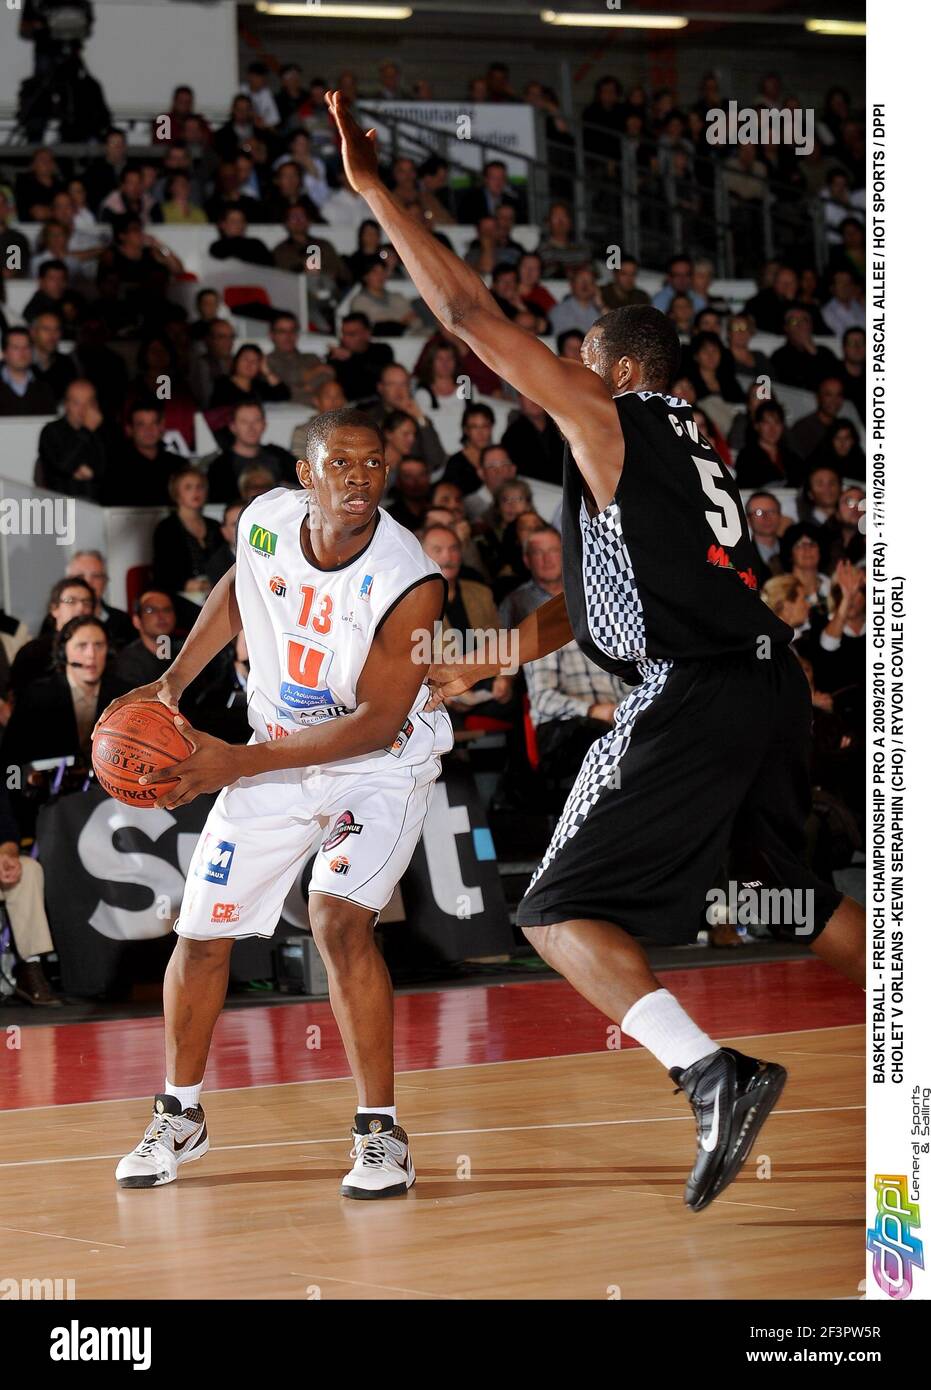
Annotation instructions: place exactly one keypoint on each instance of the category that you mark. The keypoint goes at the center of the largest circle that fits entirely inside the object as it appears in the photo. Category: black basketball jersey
(665, 572)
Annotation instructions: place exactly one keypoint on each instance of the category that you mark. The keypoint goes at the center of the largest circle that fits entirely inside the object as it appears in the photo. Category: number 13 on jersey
(321, 620)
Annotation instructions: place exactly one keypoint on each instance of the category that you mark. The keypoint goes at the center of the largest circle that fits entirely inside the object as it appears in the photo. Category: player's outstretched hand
(213, 764)
(358, 146)
(161, 689)
(449, 679)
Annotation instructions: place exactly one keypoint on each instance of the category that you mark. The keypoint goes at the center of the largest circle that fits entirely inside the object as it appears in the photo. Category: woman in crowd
(249, 378)
(740, 330)
(529, 286)
(400, 431)
(83, 219)
(438, 376)
(369, 243)
(69, 598)
(801, 554)
(511, 500)
(178, 207)
(54, 716)
(478, 423)
(840, 449)
(766, 460)
(785, 595)
(741, 430)
(710, 372)
(185, 542)
(843, 642)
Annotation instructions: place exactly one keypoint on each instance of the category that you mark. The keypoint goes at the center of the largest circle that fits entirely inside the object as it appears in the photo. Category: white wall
(139, 51)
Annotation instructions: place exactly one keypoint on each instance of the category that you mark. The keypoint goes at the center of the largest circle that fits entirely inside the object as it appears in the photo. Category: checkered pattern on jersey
(602, 763)
(613, 607)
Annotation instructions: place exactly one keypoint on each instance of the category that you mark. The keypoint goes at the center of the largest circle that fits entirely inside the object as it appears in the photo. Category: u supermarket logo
(896, 1251)
(263, 540)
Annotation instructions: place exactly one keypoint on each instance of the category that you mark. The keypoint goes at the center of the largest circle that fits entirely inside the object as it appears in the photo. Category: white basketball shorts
(261, 830)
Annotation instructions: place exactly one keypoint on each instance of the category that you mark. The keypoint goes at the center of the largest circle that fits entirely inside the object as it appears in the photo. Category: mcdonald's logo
(262, 540)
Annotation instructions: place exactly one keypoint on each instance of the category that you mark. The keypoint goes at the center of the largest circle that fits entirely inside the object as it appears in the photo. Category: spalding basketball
(137, 740)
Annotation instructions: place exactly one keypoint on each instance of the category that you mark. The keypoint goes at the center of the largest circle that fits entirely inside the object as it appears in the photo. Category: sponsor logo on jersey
(277, 585)
(365, 588)
(717, 555)
(276, 731)
(225, 912)
(306, 665)
(316, 716)
(343, 827)
(263, 540)
(216, 860)
(339, 865)
(404, 733)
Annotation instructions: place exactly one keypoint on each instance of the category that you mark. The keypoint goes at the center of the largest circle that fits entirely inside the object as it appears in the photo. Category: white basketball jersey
(309, 631)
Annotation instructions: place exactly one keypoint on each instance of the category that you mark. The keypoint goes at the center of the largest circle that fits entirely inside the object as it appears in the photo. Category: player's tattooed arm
(576, 398)
(544, 630)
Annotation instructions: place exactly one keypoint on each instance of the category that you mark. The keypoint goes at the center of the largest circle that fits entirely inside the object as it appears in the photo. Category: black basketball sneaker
(731, 1096)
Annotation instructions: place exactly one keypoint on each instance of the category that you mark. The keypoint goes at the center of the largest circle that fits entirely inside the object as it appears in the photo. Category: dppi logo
(895, 1250)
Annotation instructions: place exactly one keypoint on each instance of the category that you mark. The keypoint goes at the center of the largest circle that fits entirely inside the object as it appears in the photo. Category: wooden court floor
(541, 1177)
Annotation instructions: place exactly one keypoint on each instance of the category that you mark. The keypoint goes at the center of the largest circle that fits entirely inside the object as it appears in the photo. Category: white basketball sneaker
(382, 1166)
(174, 1136)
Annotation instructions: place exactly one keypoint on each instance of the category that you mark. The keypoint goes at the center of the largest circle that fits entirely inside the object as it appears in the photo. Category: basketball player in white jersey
(330, 594)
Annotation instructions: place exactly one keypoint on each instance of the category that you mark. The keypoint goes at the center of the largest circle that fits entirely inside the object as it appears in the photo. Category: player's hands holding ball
(213, 764)
(164, 689)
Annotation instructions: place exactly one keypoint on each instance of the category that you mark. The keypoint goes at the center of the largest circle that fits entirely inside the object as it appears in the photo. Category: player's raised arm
(576, 398)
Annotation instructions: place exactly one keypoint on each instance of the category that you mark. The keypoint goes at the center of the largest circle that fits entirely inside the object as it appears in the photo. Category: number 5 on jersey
(728, 528)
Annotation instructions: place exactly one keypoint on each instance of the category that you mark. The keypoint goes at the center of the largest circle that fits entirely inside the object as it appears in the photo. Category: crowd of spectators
(101, 336)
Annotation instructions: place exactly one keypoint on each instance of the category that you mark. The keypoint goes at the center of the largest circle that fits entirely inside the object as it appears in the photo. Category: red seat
(138, 579)
(234, 295)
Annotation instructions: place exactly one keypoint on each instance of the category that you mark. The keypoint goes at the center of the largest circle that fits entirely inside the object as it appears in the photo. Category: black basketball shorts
(704, 756)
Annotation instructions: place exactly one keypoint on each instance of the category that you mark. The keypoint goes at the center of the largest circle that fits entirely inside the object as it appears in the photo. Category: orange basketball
(137, 740)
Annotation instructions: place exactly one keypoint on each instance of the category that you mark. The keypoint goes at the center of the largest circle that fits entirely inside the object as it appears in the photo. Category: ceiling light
(312, 10)
(609, 19)
(853, 27)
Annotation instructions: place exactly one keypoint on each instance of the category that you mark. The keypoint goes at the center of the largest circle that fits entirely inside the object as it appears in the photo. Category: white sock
(189, 1096)
(659, 1022)
(391, 1110)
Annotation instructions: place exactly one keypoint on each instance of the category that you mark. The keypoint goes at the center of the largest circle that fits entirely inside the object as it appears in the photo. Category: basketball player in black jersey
(711, 748)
